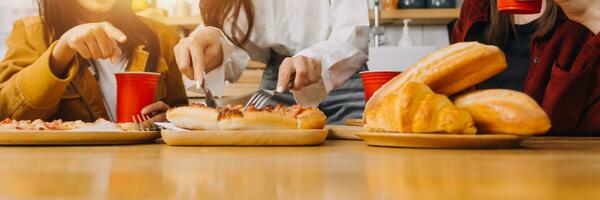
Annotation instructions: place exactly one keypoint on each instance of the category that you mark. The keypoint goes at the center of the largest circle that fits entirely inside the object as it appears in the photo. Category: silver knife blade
(209, 99)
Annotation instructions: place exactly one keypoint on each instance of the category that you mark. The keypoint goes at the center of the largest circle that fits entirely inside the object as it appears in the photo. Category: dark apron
(348, 101)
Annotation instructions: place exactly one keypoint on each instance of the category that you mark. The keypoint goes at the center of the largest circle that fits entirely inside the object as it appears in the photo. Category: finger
(213, 56)
(197, 54)
(182, 57)
(285, 71)
(105, 43)
(302, 73)
(94, 48)
(82, 49)
(157, 107)
(161, 117)
(114, 33)
(315, 65)
(117, 53)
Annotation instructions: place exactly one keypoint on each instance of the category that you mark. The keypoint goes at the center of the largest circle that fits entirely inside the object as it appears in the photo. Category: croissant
(416, 108)
(502, 111)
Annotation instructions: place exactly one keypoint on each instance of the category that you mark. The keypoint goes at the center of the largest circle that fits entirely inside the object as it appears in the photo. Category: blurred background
(430, 25)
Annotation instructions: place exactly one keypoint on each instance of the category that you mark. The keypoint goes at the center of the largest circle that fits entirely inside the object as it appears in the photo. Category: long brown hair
(501, 26)
(216, 12)
(59, 16)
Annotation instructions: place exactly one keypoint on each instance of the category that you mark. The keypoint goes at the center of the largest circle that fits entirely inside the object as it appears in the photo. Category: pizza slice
(9, 124)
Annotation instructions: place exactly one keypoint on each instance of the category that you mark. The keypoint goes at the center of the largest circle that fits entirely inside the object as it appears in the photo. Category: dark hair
(501, 25)
(59, 16)
(216, 12)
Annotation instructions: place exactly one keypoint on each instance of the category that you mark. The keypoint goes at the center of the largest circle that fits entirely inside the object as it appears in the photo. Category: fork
(258, 99)
(262, 98)
(144, 123)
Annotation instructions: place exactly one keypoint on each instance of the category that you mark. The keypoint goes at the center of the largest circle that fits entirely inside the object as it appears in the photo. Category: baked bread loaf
(235, 118)
(415, 108)
(194, 117)
(502, 111)
(449, 70)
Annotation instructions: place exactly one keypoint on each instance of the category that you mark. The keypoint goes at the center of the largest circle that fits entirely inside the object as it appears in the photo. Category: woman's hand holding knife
(199, 54)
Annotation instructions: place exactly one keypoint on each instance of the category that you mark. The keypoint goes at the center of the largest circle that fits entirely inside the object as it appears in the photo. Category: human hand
(307, 71)
(199, 53)
(91, 41)
(156, 111)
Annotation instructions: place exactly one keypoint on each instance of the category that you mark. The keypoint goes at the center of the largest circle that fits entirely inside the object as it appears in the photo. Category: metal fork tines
(270, 97)
(258, 99)
(262, 98)
(144, 123)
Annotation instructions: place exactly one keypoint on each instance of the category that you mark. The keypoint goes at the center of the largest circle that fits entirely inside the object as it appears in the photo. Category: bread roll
(195, 117)
(414, 108)
(199, 117)
(502, 111)
(449, 70)
(311, 118)
(293, 117)
(257, 120)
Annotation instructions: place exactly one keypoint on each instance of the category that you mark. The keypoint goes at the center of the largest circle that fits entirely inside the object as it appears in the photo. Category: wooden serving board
(304, 137)
(354, 122)
(76, 138)
(344, 132)
(445, 141)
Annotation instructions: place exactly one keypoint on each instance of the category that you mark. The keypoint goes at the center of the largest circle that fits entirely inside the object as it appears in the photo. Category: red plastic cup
(520, 6)
(135, 90)
(373, 80)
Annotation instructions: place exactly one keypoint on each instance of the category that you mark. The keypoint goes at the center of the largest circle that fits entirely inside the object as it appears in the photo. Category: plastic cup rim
(138, 73)
(382, 71)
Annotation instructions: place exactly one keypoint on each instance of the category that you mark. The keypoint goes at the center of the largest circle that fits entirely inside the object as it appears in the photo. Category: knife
(209, 100)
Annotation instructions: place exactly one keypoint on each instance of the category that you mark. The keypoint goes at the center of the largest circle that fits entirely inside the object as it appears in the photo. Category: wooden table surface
(547, 168)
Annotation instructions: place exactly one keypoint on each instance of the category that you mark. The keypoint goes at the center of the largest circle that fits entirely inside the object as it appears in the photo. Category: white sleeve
(235, 60)
(342, 54)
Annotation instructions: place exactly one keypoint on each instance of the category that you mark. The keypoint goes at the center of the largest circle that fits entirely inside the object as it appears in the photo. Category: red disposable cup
(520, 6)
(135, 90)
(373, 80)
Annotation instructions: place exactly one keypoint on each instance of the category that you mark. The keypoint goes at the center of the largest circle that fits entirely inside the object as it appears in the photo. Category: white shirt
(336, 32)
(108, 83)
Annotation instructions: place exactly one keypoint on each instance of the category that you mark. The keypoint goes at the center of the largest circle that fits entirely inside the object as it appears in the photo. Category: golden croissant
(416, 108)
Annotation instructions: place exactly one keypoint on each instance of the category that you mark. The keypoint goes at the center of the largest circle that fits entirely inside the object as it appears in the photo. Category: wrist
(62, 55)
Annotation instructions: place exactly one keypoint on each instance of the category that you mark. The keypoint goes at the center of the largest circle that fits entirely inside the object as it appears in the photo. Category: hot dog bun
(194, 117)
(235, 118)
(502, 111)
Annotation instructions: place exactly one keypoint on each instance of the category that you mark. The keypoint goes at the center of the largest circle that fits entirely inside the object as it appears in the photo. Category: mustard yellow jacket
(29, 90)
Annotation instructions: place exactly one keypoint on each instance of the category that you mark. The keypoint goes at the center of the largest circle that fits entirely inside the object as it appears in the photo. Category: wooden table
(547, 168)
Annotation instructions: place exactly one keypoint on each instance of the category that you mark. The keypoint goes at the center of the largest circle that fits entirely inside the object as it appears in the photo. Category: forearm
(33, 91)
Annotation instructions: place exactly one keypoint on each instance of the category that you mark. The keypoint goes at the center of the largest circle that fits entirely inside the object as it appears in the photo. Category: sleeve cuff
(339, 61)
(40, 87)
